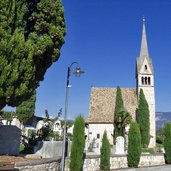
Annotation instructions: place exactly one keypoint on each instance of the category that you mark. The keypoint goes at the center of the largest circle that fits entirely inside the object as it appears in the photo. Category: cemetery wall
(41, 164)
(50, 149)
(92, 162)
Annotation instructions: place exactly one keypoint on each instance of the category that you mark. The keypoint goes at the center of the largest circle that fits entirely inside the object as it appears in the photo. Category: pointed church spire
(144, 47)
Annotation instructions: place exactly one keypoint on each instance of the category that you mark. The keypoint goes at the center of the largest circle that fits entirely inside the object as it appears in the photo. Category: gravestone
(10, 136)
(120, 145)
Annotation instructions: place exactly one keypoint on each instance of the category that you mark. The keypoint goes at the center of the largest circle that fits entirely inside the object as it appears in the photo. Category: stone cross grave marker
(120, 145)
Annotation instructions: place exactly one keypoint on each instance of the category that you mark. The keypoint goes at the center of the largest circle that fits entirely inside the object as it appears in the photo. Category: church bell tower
(145, 81)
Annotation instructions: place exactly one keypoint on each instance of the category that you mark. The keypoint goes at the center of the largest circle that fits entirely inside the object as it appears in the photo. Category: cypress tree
(134, 145)
(26, 109)
(78, 144)
(105, 153)
(118, 106)
(144, 119)
(31, 36)
(167, 142)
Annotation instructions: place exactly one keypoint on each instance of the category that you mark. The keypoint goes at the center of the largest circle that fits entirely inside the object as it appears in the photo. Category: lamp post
(77, 72)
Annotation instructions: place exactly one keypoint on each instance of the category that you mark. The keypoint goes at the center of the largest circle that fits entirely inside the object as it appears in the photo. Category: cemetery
(119, 130)
(48, 153)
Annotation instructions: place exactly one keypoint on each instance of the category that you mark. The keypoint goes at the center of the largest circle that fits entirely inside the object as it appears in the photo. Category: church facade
(102, 100)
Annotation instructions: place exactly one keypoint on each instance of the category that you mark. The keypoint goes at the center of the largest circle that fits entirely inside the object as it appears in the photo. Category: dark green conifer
(26, 109)
(105, 153)
(78, 144)
(118, 106)
(167, 142)
(134, 145)
(31, 36)
(144, 119)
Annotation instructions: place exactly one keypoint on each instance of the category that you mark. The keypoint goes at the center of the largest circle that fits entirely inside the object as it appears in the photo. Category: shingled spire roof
(144, 47)
(144, 51)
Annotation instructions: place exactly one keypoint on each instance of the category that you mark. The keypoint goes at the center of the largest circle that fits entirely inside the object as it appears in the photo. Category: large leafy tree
(31, 35)
(78, 144)
(26, 109)
(118, 106)
(144, 119)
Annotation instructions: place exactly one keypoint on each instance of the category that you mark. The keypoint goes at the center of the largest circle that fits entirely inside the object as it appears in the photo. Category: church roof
(102, 104)
(144, 51)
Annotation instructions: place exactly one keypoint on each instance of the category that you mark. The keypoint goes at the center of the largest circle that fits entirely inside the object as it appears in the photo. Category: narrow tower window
(145, 80)
(149, 81)
(145, 67)
(142, 79)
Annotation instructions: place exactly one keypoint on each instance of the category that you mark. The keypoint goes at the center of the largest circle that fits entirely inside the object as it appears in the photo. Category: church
(102, 100)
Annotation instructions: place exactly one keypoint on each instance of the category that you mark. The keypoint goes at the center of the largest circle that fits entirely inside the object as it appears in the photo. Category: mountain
(162, 118)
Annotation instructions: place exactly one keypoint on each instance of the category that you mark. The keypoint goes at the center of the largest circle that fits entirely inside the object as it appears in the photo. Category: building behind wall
(102, 100)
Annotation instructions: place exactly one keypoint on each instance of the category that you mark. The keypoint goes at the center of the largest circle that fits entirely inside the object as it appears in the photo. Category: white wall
(95, 129)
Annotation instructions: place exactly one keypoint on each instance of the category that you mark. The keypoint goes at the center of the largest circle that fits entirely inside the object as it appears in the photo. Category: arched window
(145, 80)
(142, 79)
(149, 81)
(145, 67)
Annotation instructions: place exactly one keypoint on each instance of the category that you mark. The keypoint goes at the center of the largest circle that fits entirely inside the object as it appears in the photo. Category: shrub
(105, 153)
(134, 145)
(167, 142)
(78, 143)
(160, 139)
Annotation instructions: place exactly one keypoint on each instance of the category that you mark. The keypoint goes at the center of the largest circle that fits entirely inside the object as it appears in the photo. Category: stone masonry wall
(92, 163)
(51, 164)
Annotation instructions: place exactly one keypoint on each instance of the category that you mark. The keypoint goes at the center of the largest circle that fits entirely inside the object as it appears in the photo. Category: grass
(148, 150)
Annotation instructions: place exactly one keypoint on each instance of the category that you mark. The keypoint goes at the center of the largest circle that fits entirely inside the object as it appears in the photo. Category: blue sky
(104, 36)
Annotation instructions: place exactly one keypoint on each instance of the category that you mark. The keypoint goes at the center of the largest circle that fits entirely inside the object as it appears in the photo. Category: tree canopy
(26, 109)
(31, 36)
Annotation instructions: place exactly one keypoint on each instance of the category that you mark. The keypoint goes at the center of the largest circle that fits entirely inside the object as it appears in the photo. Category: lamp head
(78, 72)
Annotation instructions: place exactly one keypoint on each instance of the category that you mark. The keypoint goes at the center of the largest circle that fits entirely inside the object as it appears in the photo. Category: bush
(78, 143)
(167, 142)
(105, 153)
(134, 145)
(160, 139)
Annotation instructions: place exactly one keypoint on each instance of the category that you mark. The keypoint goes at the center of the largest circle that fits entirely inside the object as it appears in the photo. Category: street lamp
(77, 72)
